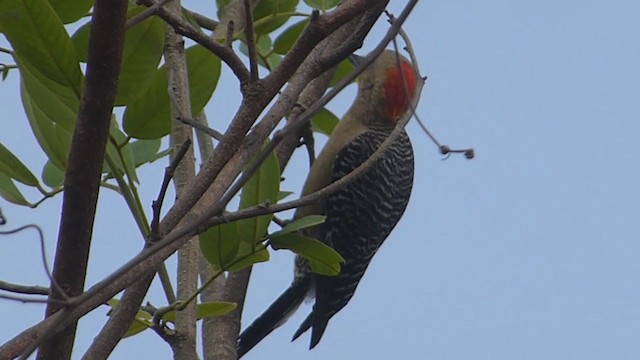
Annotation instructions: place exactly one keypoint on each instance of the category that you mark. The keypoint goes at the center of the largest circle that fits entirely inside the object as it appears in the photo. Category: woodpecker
(359, 216)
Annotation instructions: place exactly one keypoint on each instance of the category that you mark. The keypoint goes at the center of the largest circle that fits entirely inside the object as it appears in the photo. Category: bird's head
(387, 86)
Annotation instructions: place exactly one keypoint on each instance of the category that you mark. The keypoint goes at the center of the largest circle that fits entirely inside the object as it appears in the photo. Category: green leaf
(344, 68)
(141, 322)
(311, 249)
(211, 309)
(321, 268)
(51, 175)
(137, 326)
(80, 40)
(11, 166)
(143, 48)
(263, 46)
(10, 192)
(147, 151)
(40, 40)
(141, 55)
(220, 5)
(5, 73)
(59, 103)
(271, 14)
(305, 222)
(322, 5)
(70, 11)
(259, 256)
(284, 194)
(190, 19)
(149, 116)
(269, 61)
(204, 73)
(266, 57)
(263, 186)
(53, 138)
(287, 38)
(206, 310)
(324, 121)
(219, 244)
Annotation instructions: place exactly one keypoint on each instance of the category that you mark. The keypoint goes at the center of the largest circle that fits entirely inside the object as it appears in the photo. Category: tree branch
(184, 343)
(17, 345)
(121, 318)
(213, 292)
(82, 178)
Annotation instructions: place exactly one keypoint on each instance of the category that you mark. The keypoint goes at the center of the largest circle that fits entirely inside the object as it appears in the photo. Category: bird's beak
(355, 59)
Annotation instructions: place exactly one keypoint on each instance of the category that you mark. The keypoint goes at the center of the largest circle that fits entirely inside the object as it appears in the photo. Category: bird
(360, 215)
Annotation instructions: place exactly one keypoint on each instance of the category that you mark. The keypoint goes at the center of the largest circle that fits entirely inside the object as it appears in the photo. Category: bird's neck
(369, 117)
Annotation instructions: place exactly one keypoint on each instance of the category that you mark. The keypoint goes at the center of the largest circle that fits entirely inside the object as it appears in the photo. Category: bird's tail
(276, 315)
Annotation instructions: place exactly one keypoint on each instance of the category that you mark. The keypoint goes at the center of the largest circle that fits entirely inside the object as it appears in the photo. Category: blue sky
(527, 252)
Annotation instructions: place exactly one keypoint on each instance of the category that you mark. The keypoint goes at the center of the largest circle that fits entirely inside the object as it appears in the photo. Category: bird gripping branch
(359, 216)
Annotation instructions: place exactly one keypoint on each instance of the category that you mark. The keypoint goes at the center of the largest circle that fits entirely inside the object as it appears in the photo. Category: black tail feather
(316, 333)
(306, 324)
(273, 317)
(318, 326)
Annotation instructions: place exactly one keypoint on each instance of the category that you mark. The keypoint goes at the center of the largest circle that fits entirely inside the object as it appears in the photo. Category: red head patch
(394, 89)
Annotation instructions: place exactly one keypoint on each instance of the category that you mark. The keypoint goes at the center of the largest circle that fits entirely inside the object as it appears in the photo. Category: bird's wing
(360, 216)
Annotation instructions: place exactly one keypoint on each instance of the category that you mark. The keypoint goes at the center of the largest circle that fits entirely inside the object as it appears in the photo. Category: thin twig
(130, 194)
(202, 128)
(43, 254)
(205, 144)
(148, 12)
(251, 41)
(444, 149)
(202, 20)
(26, 300)
(186, 119)
(168, 174)
(24, 289)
